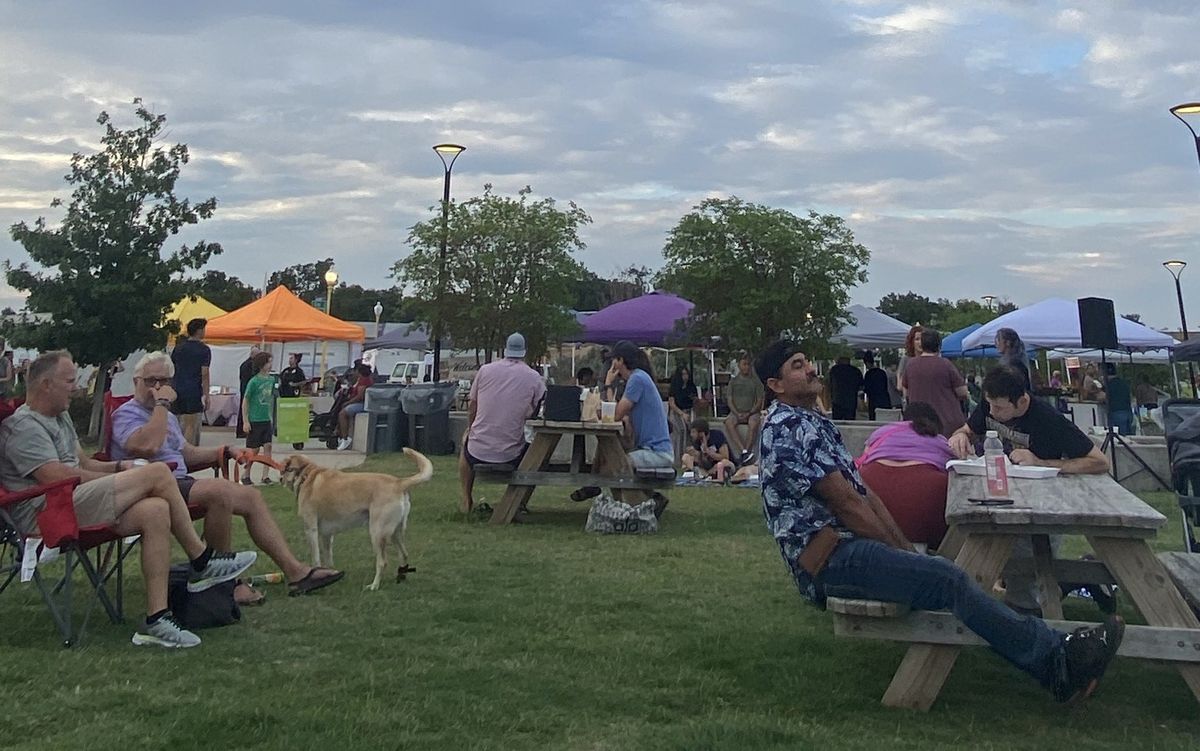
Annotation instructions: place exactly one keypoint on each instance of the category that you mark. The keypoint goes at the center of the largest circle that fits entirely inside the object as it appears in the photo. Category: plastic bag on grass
(612, 517)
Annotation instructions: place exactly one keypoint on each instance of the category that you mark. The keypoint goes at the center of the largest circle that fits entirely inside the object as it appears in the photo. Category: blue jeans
(866, 569)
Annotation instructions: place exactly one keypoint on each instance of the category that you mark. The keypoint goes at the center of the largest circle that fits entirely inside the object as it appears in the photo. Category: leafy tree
(755, 272)
(102, 272)
(909, 307)
(306, 280)
(508, 268)
(352, 302)
(224, 291)
(591, 292)
(640, 277)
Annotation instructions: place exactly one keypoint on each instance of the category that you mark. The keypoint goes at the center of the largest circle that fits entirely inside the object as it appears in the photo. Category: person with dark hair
(1119, 399)
(1034, 433)
(683, 394)
(647, 414)
(292, 379)
(912, 348)
(875, 386)
(192, 357)
(245, 373)
(8, 374)
(933, 379)
(905, 464)
(256, 413)
(1012, 353)
(839, 540)
(845, 381)
(708, 455)
(364, 378)
(745, 406)
(585, 377)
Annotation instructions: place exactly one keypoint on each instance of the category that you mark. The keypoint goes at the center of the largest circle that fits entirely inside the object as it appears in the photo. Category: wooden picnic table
(615, 471)
(1116, 523)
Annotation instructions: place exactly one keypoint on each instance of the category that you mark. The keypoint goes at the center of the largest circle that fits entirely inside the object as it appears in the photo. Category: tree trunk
(96, 424)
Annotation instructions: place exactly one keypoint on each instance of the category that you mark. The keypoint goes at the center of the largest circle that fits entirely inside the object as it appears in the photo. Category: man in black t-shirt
(709, 452)
(875, 386)
(191, 358)
(845, 381)
(292, 379)
(1036, 432)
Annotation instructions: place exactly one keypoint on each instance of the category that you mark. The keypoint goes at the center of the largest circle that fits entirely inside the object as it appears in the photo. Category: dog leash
(229, 457)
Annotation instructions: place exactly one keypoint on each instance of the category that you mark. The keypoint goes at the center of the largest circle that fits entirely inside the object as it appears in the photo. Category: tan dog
(330, 501)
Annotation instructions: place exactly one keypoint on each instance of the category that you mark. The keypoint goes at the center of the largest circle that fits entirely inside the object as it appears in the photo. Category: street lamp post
(331, 278)
(378, 309)
(1176, 268)
(444, 150)
(987, 300)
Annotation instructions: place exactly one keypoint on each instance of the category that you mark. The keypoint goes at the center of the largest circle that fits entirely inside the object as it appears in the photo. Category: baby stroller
(324, 426)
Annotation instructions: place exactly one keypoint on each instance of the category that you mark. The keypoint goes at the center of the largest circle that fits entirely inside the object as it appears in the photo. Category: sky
(1011, 148)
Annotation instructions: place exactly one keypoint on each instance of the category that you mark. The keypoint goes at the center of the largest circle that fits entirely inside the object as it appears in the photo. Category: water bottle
(275, 577)
(996, 485)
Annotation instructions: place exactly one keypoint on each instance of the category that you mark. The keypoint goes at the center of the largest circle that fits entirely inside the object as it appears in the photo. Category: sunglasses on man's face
(156, 382)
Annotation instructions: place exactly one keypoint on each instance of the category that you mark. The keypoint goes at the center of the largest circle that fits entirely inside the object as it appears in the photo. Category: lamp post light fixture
(1176, 268)
(331, 278)
(378, 310)
(444, 151)
(1183, 112)
(987, 300)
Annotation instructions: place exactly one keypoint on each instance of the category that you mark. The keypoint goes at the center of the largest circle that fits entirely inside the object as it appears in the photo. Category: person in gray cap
(504, 394)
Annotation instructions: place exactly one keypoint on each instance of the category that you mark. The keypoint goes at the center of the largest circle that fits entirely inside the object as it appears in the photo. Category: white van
(410, 372)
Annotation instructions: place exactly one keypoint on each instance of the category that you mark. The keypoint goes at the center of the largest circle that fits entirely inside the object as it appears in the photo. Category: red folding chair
(59, 528)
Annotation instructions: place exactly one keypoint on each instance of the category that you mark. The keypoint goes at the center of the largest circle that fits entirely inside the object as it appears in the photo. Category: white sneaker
(343, 444)
(221, 568)
(165, 632)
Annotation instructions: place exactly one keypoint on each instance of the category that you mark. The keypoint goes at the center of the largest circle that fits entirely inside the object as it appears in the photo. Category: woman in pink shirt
(905, 464)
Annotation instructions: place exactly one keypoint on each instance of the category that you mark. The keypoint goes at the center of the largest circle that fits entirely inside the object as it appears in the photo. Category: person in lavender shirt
(145, 428)
(905, 464)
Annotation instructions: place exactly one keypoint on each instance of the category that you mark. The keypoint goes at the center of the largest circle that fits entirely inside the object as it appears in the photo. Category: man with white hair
(504, 394)
(145, 428)
(38, 445)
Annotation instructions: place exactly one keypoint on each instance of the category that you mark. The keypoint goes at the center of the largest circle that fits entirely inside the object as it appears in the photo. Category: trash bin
(386, 423)
(428, 408)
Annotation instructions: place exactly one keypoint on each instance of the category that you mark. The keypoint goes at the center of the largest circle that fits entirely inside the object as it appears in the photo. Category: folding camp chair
(59, 528)
(1185, 466)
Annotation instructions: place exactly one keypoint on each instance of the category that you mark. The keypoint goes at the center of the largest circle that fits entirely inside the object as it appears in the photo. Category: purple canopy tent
(651, 320)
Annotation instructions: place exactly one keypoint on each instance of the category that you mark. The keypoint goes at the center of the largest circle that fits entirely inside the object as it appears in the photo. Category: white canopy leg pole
(573, 368)
(1175, 376)
(712, 373)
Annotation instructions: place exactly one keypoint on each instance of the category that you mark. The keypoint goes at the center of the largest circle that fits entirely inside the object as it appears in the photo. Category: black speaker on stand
(1098, 330)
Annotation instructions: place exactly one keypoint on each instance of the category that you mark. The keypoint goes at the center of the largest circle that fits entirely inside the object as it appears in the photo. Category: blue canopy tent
(952, 345)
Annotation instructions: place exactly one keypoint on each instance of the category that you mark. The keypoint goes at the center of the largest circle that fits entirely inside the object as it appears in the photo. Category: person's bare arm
(855, 512)
(962, 442)
(472, 411)
(1093, 463)
(204, 382)
(624, 409)
(962, 392)
(889, 521)
(147, 441)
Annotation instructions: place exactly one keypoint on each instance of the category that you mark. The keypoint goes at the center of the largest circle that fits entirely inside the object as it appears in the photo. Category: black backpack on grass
(213, 607)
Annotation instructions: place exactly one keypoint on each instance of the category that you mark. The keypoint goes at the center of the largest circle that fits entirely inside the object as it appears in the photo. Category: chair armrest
(10, 497)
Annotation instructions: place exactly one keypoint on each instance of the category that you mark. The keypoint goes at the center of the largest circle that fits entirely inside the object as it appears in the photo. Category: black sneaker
(660, 504)
(746, 457)
(1085, 654)
(585, 493)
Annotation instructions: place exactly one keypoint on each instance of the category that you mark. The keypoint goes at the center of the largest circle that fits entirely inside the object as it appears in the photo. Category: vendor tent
(188, 308)
(952, 345)
(403, 336)
(1159, 357)
(1054, 322)
(652, 320)
(871, 329)
(280, 316)
(1188, 351)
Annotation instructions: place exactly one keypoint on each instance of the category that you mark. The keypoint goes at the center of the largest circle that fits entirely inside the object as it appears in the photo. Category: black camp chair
(1185, 465)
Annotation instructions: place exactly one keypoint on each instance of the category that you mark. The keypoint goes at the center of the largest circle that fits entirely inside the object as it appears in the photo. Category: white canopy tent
(1054, 322)
(871, 330)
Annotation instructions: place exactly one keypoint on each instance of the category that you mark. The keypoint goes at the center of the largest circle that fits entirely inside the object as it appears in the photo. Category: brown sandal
(313, 581)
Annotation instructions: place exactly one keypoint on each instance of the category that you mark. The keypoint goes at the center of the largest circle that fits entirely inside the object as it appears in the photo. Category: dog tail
(424, 466)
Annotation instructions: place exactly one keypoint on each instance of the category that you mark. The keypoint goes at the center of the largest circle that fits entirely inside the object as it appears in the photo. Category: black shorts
(515, 461)
(187, 405)
(185, 484)
(259, 435)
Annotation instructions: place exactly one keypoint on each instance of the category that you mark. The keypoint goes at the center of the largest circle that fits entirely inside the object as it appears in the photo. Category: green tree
(755, 272)
(305, 280)
(508, 268)
(220, 289)
(102, 273)
(352, 302)
(909, 307)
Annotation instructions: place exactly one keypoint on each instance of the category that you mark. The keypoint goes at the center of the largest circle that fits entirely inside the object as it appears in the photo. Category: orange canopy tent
(279, 316)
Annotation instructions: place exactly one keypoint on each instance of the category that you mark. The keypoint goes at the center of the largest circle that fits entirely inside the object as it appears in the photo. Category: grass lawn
(541, 636)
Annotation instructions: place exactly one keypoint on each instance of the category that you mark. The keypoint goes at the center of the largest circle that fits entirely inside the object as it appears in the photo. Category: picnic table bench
(616, 472)
(1116, 523)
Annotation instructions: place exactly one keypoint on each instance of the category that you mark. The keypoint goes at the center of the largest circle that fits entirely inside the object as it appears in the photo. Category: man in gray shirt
(38, 445)
(745, 406)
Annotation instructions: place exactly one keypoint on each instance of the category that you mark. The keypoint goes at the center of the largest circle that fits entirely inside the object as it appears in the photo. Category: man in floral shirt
(839, 540)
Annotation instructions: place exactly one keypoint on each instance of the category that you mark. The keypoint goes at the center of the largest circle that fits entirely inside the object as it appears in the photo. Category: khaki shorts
(96, 502)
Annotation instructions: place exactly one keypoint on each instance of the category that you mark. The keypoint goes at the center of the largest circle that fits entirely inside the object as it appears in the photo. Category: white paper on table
(1025, 472)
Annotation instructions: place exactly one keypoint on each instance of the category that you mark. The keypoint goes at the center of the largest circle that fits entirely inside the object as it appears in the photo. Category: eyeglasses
(156, 382)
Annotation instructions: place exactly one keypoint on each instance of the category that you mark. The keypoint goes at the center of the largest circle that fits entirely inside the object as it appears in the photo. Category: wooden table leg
(514, 495)
(925, 667)
(1043, 567)
(951, 543)
(1140, 574)
(616, 464)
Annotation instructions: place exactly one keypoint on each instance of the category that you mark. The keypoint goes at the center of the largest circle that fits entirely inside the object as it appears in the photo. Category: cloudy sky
(1015, 148)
